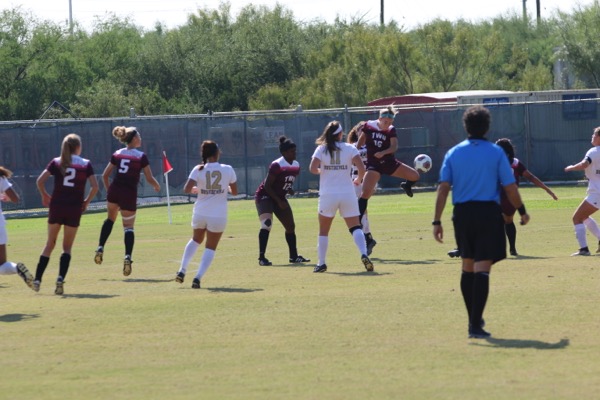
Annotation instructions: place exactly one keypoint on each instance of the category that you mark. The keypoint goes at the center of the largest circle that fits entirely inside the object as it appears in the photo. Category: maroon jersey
(518, 170)
(69, 188)
(128, 163)
(377, 140)
(285, 175)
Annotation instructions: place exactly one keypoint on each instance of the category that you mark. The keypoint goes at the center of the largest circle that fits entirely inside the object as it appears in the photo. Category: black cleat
(196, 283)
(370, 246)
(264, 262)
(454, 253)
(320, 268)
(24, 273)
(298, 259)
(478, 333)
(127, 266)
(180, 277)
(407, 188)
(513, 252)
(367, 263)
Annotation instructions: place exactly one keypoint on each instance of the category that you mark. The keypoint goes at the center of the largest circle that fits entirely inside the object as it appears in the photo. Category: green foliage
(265, 59)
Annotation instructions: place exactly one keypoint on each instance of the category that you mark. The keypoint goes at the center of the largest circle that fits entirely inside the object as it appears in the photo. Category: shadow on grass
(233, 290)
(523, 344)
(90, 296)
(140, 280)
(522, 257)
(359, 273)
(404, 262)
(17, 317)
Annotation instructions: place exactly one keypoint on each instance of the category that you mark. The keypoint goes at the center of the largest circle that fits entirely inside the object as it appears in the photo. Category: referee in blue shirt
(476, 169)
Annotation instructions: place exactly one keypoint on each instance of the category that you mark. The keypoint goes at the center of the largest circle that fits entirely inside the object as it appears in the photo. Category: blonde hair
(388, 110)
(70, 144)
(124, 134)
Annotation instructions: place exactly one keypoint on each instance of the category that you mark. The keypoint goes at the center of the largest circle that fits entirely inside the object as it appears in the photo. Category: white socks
(359, 240)
(8, 268)
(207, 258)
(322, 246)
(580, 235)
(190, 249)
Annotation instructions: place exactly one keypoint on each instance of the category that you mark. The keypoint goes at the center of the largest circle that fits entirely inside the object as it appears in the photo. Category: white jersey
(4, 186)
(362, 152)
(213, 185)
(335, 176)
(592, 172)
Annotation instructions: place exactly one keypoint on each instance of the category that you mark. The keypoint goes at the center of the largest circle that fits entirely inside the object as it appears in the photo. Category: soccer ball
(423, 163)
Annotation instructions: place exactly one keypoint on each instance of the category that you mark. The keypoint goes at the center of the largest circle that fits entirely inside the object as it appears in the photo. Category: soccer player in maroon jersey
(382, 142)
(508, 210)
(71, 173)
(270, 199)
(128, 163)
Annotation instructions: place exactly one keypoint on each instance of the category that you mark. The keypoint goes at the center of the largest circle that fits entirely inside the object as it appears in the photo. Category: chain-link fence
(548, 136)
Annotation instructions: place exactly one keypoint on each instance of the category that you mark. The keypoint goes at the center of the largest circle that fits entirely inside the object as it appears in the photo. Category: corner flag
(166, 164)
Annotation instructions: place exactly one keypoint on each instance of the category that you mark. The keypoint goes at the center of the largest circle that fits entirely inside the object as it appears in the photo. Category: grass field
(283, 332)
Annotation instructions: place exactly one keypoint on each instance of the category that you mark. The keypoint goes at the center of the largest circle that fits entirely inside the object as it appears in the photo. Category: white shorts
(213, 224)
(329, 204)
(358, 190)
(593, 199)
(3, 234)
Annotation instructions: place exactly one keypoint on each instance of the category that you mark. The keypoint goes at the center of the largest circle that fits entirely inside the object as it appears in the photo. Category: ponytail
(5, 172)
(329, 136)
(70, 144)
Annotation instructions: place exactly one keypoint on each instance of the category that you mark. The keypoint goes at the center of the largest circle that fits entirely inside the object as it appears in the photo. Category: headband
(386, 114)
(338, 130)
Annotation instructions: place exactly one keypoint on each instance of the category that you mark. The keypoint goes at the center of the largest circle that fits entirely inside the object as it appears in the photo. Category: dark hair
(285, 144)
(70, 144)
(476, 120)
(353, 134)
(123, 134)
(5, 172)
(508, 148)
(328, 137)
(597, 131)
(208, 149)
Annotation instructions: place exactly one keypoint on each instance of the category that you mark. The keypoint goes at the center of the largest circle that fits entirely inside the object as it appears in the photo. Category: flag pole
(166, 169)
(168, 198)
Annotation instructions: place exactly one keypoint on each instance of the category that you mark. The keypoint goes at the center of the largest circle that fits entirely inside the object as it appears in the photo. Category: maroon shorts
(386, 166)
(266, 205)
(125, 198)
(65, 215)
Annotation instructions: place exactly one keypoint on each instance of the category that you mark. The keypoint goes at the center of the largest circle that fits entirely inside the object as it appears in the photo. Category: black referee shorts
(479, 230)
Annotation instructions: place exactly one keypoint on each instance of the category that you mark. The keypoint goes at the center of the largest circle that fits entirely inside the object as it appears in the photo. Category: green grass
(282, 332)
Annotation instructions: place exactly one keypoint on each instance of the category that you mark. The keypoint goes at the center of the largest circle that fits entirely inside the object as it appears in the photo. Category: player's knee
(354, 228)
(266, 224)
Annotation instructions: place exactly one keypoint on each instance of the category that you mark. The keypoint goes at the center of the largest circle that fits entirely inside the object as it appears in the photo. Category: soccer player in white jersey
(332, 161)
(366, 227)
(7, 193)
(581, 218)
(211, 181)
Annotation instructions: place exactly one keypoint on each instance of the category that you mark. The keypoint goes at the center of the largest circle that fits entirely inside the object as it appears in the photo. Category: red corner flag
(166, 164)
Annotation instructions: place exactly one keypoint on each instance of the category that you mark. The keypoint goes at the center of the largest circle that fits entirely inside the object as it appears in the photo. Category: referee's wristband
(436, 222)
(521, 210)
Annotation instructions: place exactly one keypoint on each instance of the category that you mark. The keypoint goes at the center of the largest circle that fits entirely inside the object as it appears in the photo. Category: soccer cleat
(513, 252)
(298, 259)
(370, 246)
(180, 277)
(99, 255)
(407, 189)
(196, 283)
(36, 286)
(24, 273)
(127, 266)
(581, 252)
(264, 262)
(367, 263)
(320, 268)
(59, 287)
(454, 253)
(478, 333)
(598, 249)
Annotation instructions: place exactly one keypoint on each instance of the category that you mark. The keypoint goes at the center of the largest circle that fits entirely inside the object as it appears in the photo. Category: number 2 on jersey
(213, 180)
